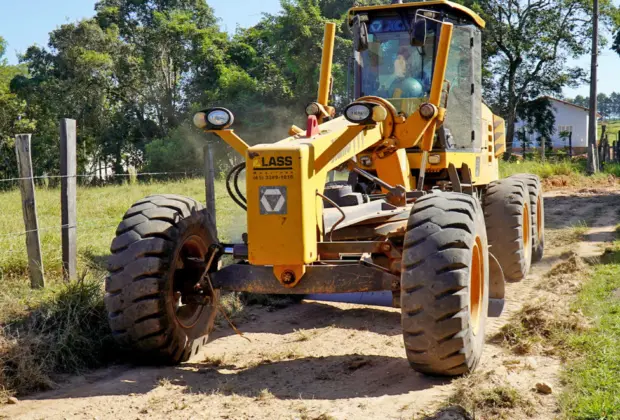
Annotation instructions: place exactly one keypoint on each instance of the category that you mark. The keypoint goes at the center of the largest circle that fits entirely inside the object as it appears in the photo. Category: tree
(609, 105)
(129, 75)
(175, 42)
(12, 115)
(539, 119)
(581, 101)
(527, 44)
(75, 78)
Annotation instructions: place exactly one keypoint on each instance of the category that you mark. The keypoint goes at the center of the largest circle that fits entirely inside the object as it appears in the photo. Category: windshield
(392, 69)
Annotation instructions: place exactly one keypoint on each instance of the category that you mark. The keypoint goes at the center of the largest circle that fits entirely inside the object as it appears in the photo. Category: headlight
(200, 120)
(358, 113)
(365, 113)
(219, 118)
(214, 119)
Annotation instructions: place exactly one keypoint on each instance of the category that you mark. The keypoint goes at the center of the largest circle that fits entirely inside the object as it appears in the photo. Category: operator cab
(393, 61)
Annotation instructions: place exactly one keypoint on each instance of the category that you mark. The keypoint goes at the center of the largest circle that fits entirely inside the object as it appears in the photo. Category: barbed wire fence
(11, 242)
(184, 174)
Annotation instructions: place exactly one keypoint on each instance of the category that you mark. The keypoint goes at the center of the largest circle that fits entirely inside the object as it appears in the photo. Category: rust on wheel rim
(527, 232)
(185, 274)
(476, 286)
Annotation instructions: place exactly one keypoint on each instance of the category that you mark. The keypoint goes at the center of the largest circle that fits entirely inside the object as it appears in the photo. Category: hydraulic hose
(234, 172)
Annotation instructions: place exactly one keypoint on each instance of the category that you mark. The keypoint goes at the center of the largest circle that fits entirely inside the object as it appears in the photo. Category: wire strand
(95, 176)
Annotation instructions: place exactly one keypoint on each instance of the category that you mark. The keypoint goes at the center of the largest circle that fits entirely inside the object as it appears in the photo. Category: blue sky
(27, 22)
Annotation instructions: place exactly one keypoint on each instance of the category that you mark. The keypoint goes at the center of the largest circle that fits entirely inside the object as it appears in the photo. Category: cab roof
(448, 4)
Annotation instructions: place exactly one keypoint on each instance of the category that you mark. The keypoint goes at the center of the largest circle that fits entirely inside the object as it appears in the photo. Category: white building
(568, 118)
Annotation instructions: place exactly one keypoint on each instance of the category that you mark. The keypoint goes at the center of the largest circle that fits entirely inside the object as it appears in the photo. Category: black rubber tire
(139, 295)
(441, 335)
(537, 203)
(505, 202)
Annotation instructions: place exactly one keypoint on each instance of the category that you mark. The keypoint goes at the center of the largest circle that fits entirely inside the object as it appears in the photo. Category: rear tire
(445, 284)
(152, 269)
(508, 219)
(537, 207)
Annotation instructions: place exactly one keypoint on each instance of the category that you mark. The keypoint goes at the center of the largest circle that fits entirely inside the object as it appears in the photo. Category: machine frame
(292, 252)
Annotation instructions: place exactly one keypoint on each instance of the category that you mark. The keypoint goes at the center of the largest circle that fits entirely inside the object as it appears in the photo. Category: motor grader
(423, 215)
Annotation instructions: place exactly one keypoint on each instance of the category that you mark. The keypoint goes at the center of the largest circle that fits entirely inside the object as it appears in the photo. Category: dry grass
(68, 333)
(488, 396)
(304, 414)
(305, 335)
(231, 306)
(566, 278)
(566, 236)
(279, 355)
(264, 395)
(214, 361)
(540, 327)
(164, 383)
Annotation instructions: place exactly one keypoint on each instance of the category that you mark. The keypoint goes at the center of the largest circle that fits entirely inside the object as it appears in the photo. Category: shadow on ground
(309, 315)
(566, 211)
(329, 378)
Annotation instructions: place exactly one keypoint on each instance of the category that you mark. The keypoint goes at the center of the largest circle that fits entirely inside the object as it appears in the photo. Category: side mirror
(418, 33)
(360, 33)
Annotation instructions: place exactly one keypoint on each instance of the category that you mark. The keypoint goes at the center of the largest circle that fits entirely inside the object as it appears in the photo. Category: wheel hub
(189, 299)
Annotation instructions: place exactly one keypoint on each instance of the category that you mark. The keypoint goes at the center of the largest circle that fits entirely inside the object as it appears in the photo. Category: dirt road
(323, 361)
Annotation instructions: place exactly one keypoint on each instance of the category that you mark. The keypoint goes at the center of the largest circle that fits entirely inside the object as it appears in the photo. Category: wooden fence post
(68, 197)
(595, 158)
(29, 209)
(210, 181)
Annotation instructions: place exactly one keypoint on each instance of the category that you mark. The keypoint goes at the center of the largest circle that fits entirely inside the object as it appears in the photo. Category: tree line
(608, 105)
(134, 74)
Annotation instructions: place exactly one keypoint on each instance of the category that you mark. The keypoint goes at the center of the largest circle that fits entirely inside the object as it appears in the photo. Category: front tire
(153, 268)
(445, 284)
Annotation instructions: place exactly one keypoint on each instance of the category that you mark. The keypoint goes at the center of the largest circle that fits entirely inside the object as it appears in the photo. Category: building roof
(571, 104)
(473, 15)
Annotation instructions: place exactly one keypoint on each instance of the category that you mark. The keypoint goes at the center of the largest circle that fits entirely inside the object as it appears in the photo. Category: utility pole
(592, 158)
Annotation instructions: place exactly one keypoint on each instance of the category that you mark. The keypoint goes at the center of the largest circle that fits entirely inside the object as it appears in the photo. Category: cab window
(393, 69)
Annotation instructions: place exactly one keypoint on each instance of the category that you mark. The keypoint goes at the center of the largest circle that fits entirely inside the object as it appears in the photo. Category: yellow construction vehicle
(423, 215)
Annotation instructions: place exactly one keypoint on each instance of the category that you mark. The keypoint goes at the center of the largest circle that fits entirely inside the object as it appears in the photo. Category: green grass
(573, 171)
(542, 169)
(613, 127)
(592, 379)
(99, 212)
